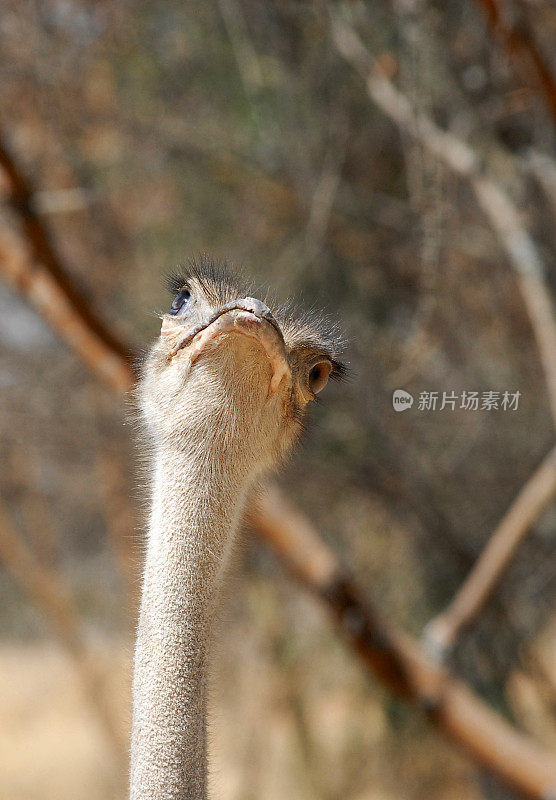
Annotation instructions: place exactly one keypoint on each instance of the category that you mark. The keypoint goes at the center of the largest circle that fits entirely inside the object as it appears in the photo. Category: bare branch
(527, 507)
(523, 52)
(62, 201)
(61, 289)
(326, 190)
(499, 209)
(247, 61)
(49, 297)
(399, 661)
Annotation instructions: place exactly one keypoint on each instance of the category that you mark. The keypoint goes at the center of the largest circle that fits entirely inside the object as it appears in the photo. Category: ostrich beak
(249, 317)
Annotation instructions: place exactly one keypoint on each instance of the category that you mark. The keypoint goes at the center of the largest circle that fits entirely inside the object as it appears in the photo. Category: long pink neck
(193, 523)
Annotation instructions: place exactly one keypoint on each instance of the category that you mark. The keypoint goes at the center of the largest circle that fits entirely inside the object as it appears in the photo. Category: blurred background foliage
(155, 130)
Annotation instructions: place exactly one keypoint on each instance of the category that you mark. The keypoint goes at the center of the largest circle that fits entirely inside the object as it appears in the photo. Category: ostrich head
(231, 376)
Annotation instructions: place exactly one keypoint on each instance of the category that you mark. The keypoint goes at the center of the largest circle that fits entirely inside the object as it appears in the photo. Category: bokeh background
(155, 130)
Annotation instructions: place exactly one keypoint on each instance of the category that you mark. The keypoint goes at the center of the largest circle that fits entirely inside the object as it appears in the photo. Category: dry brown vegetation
(392, 163)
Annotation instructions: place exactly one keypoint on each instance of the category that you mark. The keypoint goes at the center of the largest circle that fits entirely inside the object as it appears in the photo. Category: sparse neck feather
(196, 509)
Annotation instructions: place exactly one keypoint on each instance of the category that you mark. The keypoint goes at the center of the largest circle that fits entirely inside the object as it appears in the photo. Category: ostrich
(223, 392)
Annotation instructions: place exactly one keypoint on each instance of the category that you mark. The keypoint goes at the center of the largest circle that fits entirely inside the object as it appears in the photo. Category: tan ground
(50, 743)
(293, 718)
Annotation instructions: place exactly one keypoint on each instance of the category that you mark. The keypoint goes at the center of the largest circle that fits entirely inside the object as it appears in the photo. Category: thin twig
(527, 507)
(327, 188)
(398, 660)
(498, 207)
(40, 524)
(425, 176)
(247, 61)
(120, 526)
(543, 168)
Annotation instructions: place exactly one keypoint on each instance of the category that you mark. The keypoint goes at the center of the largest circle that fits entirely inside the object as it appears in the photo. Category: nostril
(261, 310)
(247, 320)
(256, 307)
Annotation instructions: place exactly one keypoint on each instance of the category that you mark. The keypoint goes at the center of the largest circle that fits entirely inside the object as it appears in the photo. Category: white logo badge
(402, 400)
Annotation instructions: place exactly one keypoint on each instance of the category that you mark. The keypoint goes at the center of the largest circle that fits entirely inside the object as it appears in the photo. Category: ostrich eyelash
(176, 283)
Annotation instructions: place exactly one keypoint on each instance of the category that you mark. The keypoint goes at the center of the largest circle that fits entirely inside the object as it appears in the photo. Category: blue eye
(181, 301)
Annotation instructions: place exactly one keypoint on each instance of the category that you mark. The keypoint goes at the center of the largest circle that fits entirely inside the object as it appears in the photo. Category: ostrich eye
(181, 301)
(318, 376)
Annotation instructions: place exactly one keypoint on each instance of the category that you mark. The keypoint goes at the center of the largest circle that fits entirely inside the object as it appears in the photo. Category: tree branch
(398, 660)
(527, 507)
(520, 44)
(60, 289)
(41, 288)
(499, 209)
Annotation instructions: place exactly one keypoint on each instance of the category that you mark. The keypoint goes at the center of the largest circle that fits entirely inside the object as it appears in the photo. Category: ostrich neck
(192, 528)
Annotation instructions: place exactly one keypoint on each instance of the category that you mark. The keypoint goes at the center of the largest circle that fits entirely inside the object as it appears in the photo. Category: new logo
(402, 400)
